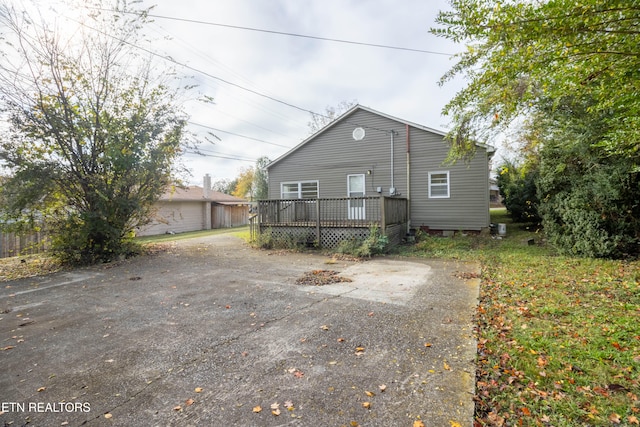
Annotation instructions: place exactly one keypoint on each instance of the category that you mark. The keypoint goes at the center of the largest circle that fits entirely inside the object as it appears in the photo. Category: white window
(299, 190)
(439, 185)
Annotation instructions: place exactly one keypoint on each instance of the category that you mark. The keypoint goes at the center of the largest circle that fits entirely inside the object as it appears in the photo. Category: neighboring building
(495, 198)
(194, 208)
(368, 153)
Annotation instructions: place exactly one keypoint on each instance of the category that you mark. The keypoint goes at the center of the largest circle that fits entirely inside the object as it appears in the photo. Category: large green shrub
(590, 202)
(517, 186)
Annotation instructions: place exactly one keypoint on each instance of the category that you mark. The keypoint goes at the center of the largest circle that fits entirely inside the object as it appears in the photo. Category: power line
(284, 33)
(241, 136)
(170, 59)
(219, 156)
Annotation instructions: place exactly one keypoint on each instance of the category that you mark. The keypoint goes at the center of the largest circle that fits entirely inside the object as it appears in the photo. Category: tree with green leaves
(252, 183)
(94, 130)
(518, 189)
(261, 179)
(519, 52)
(244, 184)
(567, 74)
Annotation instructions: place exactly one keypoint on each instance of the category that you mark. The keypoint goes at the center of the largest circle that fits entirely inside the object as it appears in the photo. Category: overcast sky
(246, 71)
(307, 73)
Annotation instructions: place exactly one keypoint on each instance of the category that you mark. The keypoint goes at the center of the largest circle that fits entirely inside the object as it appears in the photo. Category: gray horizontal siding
(468, 205)
(333, 155)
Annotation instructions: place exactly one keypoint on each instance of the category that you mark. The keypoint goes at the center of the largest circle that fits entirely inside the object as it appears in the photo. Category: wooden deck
(329, 221)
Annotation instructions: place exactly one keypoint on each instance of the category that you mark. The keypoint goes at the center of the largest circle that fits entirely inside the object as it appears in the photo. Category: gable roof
(194, 193)
(344, 118)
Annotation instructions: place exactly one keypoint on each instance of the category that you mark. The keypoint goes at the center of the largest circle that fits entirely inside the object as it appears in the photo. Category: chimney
(206, 187)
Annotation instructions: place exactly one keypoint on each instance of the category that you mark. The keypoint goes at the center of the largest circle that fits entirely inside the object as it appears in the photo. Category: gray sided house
(367, 153)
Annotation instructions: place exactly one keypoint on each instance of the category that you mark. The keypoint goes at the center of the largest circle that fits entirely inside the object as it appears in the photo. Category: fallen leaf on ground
(369, 393)
(455, 424)
(177, 408)
(275, 412)
(324, 327)
(41, 389)
(298, 374)
(382, 387)
(321, 277)
(418, 423)
(189, 402)
(366, 405)
(108, 415)
(446, 366)
(289, 405)
(199, 390)
(257, 409)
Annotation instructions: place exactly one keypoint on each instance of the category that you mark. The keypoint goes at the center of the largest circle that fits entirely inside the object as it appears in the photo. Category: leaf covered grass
(20, 267)
(558, 337)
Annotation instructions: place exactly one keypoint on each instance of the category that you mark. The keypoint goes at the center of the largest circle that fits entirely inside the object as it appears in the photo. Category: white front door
(355, 188)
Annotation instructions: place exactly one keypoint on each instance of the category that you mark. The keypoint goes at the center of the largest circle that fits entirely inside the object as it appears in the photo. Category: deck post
(318, 219)
(383, 215)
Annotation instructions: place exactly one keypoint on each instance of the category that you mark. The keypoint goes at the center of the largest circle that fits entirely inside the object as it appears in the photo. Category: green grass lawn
(242, 232)
(558, 337)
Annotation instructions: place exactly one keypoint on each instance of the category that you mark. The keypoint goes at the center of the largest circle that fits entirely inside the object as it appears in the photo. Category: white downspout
(408, 180)
(392, 189)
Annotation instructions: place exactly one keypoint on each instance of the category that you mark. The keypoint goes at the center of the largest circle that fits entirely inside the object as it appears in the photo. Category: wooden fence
(14, 244)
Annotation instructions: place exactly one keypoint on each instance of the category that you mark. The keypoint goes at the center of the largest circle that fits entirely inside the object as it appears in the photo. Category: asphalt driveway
(215, 333)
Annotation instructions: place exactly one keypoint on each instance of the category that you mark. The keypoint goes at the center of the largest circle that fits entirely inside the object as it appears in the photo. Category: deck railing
(335, 212)
(319, 214)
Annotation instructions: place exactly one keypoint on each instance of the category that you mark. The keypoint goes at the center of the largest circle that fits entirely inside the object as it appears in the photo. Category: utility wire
(198, 152)
(241, 136)
(255, 92)
(283, 33)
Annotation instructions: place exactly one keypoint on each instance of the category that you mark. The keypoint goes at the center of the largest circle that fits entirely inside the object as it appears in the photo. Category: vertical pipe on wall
(392, 188)
(408, 179)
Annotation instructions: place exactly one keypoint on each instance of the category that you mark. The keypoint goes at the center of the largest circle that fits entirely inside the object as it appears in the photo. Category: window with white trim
(439, 185)
(299, 190)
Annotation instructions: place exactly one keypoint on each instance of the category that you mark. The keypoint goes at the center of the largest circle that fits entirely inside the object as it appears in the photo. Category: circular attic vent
(358, 134)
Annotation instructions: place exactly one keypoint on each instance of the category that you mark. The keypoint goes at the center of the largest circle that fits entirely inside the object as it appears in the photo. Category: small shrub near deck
(269, 240)
(376, 243)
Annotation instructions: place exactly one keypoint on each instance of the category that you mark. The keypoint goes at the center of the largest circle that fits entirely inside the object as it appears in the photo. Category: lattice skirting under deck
(330, 237)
